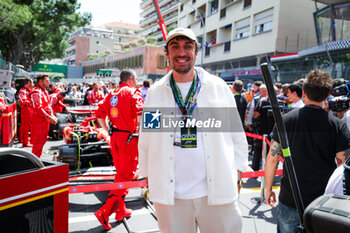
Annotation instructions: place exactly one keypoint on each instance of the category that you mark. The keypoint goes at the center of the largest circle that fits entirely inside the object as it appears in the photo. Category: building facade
(87, 42)
(148, 17)
(236, 36)
(149, 62)
(123, 34)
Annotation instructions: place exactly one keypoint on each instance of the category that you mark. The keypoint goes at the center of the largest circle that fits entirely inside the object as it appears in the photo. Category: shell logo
(114, 112)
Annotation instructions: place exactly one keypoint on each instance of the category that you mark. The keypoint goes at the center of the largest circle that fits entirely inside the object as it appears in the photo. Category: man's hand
(272, 160)
(53, 119)
(239, 181)
(270, 198)
(249, 127)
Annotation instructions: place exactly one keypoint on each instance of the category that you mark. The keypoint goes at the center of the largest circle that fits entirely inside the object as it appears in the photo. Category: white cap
(181, 32)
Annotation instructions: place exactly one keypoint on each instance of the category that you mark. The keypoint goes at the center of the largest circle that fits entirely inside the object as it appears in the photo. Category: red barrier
(257, 136)
(254, 174)
(107, 187)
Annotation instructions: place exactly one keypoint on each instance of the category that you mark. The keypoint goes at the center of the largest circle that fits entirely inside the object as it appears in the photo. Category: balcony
(68, 57)
(148, 30)
(145, 3)
(158, 34)
(148, 11)
(148, 20)
(169, 8)
(70, 48)
(171, 18)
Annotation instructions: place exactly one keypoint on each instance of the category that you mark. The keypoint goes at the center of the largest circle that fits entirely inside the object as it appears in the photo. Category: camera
(341, 101)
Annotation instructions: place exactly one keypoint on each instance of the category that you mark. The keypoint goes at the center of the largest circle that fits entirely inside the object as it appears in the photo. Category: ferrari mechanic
(26, 111)
(122, 106)
(42, 115)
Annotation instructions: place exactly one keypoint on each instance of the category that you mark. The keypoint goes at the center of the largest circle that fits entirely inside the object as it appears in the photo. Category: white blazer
(225, 152)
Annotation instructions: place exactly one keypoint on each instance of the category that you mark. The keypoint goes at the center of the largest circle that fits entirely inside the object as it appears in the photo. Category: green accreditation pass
(188, 136)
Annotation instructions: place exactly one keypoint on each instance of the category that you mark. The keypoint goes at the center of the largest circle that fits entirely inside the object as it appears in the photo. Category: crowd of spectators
(80, 91)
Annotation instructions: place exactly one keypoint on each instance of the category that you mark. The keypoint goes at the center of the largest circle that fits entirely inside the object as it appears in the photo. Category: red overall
(2, 108)
(26, 114)
(56, 90)
(94, 97)
(56, 103)
(40, 123)
(121, 106)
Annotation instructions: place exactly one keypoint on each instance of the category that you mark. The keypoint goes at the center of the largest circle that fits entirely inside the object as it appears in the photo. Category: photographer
(263, 123)
(338, 102)
(339, 182)
(316, 139)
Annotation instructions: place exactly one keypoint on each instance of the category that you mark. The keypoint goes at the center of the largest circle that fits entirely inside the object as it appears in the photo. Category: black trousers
(258, 153)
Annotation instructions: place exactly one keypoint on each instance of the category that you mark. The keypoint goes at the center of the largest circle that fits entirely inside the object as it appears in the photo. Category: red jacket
(56, 103)
(122, 106)
(41, 102)
(23, 97)
(2, 105)
(94, 97)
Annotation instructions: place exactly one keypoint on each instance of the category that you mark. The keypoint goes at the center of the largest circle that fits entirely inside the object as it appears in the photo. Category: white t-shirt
(190, 168)
(335, 182)
(298, 104)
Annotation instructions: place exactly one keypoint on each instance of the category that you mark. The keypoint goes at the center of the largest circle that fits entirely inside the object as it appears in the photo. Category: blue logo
(114, 100)
(152, 120)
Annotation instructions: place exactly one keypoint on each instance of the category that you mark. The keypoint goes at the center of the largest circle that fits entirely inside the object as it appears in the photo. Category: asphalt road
(257, 218)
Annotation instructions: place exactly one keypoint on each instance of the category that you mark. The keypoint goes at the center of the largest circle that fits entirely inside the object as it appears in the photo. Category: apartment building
(106, 40)
(149, 62)
(148, 17)
(123, 33)
(88, 41)
(236, 36)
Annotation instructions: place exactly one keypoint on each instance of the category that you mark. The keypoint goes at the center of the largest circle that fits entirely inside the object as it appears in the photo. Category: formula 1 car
(87, 145)
(72, 115)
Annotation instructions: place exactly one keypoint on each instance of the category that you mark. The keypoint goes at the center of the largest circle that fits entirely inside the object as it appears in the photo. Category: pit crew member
(42, 115)
(57, 102)
(122, 106)
(95, 95)
(26, 111)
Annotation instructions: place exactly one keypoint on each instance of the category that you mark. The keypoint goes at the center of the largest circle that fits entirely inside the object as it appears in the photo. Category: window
(263, 21)
(161, 64)
(137, 62)
(202, 22)
(242, 28)
(181, 7)
(141, 60)
(227, 46)
(222, 13)
(214, 6)
(193, 1)
(207, 51)
(247, 3)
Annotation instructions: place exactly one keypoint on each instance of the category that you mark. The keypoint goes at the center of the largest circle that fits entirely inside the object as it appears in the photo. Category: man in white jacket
(192, 173)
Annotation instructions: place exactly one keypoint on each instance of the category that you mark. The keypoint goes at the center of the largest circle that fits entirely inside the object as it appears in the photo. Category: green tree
(151, 39)
(14, 13)
(44, 35)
